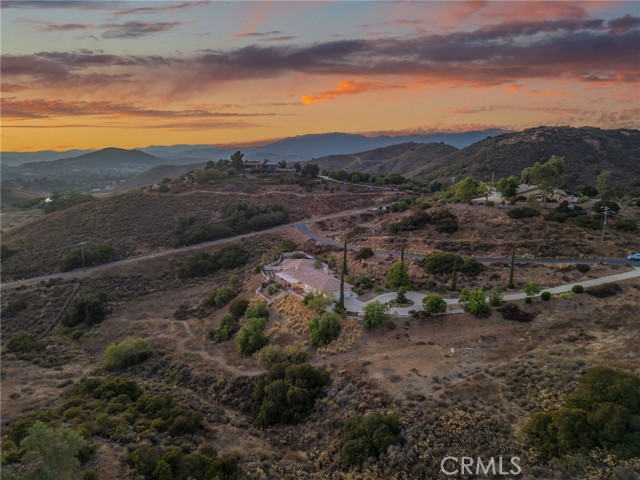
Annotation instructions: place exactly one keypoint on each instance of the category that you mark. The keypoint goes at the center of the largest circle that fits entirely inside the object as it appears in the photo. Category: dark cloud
(278, 39)
(41, 108)
(136, 29)
(590, 50)
(159, 9)
(259, 34)
(63, 27)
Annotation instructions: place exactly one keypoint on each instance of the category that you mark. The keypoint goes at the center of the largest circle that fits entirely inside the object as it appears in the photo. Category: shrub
(203, 264)
(272, 355)
(583, 267)
(317, 302)
(364, 437)
(107, 388)
(228, 326)
(626, 225)
(471, 267)
(601, 414)
(528, 300)
(259, 309)
(546, 296)
(605, 290)
(364, 253)
(434, 304)
(523, 212)
(374, 314)
(599, 206)
(365, 283)
(6, 251)
(512, 312)
(436, 263)
(474, 302)
(88, 308)
(287, 394)
(23, 342)
(413, 222)
(220, 297)
(238, 308)
(78, 257)
(444, 221)
(127, 353)
(531, 289)
(495, 296)
(251, 337)
(324, 329)
(587, 221)
(577, 289)
(14, 306)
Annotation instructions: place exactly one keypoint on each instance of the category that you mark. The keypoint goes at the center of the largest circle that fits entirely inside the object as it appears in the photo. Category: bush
(523, 212)
(23, 342)
(228, 326)
(577, 289)
(471, 267)
(495, 296)
(602, 414)
(531, 289)
(512, 312)
(626, 225)
(434, 305)
(317, 302)
(259, 309)
(287, 394)
(604, 291)
(374, 314)
(436, 263)
(546, 296)
(474, 302)
(203, 264)
(272, 355)
(14, 306)
(364, 437)
(6, 251)
(78, 257)
(238, 307)
(87, 308)
(220, 297)
(587, 221)
(583, 267)
(413, 222)
(364, 253)
(599, 206)
(127, 353)
(251, 337)
(324, 329)
(444, 221)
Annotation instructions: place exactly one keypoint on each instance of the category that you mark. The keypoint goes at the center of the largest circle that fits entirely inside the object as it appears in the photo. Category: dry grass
(350, 333)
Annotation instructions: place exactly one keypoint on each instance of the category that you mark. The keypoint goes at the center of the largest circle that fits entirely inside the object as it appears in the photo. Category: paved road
(163, 253)
(303, 227)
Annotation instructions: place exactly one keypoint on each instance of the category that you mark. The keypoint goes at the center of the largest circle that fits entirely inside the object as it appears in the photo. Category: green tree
(324, 329)
(374, 313)
(508, 187)
(474, 301)
(368, 436)
(531, 289)
(398, 276)
(606, 187)
(251, 337)
(236, 161)
(126, 353)
(89, 308)
(52, 453)
(434, 304)
(466, 189)
(547, 176)
(495, 296)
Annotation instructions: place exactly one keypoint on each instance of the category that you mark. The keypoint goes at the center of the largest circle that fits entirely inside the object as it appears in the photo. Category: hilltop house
(302, 277)
(263, 166)
(525, 192)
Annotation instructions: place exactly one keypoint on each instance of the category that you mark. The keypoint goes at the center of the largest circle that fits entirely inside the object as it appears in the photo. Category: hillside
(154, 174)
(587, 151)
(403, 158)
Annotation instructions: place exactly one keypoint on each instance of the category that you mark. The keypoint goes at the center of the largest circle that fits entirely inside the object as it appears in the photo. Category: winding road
(303, 227)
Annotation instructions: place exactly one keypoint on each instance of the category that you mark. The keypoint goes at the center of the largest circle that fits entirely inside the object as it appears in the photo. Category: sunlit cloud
(346, 87)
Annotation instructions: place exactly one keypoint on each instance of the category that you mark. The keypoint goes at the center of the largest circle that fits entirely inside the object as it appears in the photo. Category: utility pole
(607, 211)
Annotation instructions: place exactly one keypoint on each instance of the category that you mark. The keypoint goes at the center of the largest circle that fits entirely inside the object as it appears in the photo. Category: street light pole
(607, 211)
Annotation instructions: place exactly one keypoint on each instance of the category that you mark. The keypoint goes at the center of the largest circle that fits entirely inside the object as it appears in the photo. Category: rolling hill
(587, 151)
(403, 158)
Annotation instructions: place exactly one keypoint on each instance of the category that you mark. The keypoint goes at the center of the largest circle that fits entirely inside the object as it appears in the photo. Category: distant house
(300, 276)
(257, 167)
(527, 191)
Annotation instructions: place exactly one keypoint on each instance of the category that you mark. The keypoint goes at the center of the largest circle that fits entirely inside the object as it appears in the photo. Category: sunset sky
(91, 74)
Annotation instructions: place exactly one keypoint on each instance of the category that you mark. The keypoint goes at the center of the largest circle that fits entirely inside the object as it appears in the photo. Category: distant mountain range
(427, 158)
(587, 151)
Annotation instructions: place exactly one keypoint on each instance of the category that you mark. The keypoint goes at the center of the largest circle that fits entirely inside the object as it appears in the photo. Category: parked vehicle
(634, 256)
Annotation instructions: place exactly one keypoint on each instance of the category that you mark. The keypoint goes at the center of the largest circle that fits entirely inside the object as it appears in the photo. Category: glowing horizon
(90, 75)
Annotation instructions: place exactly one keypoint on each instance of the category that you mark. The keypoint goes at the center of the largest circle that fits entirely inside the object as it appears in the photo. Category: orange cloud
(513, 89)
(345, 87)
